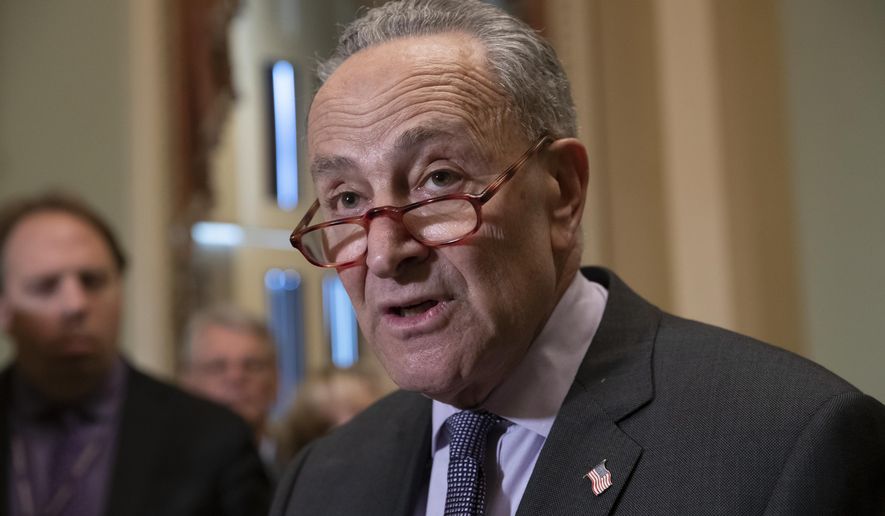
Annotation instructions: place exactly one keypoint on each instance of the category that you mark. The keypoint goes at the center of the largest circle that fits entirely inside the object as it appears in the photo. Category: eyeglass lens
(432, 223)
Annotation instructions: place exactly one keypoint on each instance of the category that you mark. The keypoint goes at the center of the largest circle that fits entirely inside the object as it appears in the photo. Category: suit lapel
(383, 471)
(397, 467)
(579, 441)
(5, 437)
(413, 446)
(613, 381)
(376, 465)
(135, 448)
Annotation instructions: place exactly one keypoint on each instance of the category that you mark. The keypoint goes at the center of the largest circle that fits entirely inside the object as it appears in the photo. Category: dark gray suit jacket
(176, 455)
(690, 419)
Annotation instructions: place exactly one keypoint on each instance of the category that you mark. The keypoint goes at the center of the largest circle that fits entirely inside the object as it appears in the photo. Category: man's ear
(568, 166)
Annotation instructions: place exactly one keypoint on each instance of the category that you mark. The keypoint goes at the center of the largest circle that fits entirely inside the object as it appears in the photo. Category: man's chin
(453, 392)
(80, 362)
(73, 365)
(78, 347)
(68, 379)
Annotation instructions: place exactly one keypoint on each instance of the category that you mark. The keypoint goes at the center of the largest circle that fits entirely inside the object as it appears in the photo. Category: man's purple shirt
(40, 426)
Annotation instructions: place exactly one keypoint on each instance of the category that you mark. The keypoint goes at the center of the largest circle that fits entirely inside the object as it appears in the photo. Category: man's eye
(212, 367)
(348, 200)
(44, 286)
(442, 179)
(94, 280)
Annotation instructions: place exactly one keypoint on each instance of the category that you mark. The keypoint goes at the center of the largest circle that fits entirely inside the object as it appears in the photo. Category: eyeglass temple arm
(305, 220)
(505, 176)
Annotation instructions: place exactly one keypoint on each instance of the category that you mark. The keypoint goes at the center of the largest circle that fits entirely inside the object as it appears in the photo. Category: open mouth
(413, 310)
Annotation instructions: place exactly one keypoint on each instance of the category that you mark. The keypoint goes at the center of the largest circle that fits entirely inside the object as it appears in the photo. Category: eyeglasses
(433, 222)
(219, 367)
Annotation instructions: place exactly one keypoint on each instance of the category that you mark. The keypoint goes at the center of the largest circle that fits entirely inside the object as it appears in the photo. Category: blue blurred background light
(340, 322)
(286, 323)
(217, 233)
(285, 134)
(233, 235)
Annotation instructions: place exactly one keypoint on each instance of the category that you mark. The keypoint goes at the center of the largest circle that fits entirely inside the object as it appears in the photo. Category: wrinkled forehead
(440, 81)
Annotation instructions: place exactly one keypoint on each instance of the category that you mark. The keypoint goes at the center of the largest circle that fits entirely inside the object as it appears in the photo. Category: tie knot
(468, 430)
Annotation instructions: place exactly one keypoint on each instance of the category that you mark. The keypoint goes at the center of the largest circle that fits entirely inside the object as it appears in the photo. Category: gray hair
(225, 316)
(524, 64)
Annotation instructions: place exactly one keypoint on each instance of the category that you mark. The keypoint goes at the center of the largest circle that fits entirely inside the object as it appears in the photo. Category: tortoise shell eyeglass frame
(397, 212)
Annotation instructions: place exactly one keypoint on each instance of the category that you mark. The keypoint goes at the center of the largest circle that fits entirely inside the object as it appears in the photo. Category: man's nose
(391, 248)
(73, 297)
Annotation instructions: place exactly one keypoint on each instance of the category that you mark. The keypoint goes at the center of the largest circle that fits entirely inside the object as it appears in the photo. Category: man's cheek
(29, 326)
(353, 282)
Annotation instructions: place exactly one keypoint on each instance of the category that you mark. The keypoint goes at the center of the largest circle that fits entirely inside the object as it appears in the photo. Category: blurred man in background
(83, 432)
(229, 357)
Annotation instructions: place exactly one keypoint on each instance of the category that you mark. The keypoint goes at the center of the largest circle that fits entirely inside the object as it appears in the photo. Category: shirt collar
(532, 394)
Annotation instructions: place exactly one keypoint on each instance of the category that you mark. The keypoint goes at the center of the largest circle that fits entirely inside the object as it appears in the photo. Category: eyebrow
(418, 135)
(409, 138)
(325, 164)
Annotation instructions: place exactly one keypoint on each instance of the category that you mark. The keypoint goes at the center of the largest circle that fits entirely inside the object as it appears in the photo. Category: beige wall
(63, 100)
(835, 55)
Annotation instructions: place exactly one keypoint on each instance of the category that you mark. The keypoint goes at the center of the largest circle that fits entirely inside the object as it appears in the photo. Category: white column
(574, 30)
(693, 174)
(149, 340)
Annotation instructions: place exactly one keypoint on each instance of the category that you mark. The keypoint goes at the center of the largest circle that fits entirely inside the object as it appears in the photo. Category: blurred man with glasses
(450, 187)
(229, 356)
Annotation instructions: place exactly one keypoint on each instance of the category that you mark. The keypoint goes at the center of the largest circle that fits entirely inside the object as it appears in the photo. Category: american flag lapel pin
(600, 477)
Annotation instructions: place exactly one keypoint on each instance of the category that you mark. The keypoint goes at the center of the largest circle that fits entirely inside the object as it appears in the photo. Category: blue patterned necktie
(466, 491)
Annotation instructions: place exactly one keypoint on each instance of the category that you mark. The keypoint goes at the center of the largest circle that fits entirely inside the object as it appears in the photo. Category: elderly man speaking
(450, 190)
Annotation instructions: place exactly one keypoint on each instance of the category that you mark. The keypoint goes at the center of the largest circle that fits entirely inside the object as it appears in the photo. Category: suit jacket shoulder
(181, 455)
(374, 465)
(5, 438)
(693, 419)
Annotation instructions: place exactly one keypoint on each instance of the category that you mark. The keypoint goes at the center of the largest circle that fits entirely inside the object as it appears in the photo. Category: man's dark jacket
(689, 418)
(176, 455)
